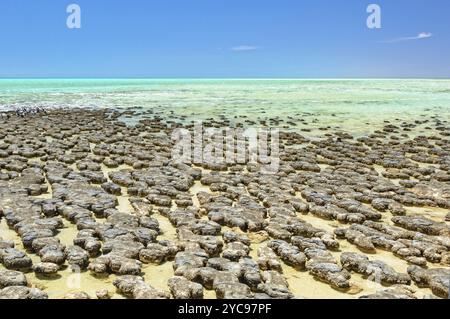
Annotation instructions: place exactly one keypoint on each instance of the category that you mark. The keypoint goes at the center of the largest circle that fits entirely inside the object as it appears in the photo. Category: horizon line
(224, 78)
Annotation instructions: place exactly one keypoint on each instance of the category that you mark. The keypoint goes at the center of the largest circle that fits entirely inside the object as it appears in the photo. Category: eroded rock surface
(82, 191)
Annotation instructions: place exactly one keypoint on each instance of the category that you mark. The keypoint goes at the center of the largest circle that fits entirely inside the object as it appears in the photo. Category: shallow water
(158, 275)
(360, 105)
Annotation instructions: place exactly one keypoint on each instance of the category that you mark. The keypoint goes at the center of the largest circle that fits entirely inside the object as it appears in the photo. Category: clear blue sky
(224, 38)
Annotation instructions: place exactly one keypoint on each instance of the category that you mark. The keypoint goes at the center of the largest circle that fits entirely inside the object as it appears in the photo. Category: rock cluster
(75, 169)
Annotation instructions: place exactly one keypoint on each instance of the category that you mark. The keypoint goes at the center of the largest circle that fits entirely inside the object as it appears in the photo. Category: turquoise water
(340, 103)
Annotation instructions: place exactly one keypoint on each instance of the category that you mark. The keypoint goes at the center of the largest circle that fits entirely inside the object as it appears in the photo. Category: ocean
(354, 105)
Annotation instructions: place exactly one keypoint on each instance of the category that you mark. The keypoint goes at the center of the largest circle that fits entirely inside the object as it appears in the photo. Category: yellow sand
(301, 283)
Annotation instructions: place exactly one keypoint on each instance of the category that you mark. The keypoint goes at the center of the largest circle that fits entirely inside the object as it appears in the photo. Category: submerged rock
(400, 292)
(45, 268)
(22, 292)
(275, 286)
(422, 224)
(12, 278)
(376, 270)
(181, 288)
(290, 254)
(126, 284)
(438, 280)
(12, 258)
(77, 296)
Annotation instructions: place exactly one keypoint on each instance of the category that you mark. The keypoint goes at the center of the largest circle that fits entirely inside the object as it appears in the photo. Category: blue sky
(224, 38)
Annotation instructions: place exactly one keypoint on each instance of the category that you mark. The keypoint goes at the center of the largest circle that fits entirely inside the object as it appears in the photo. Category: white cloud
(244, 48)
(422, 35)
